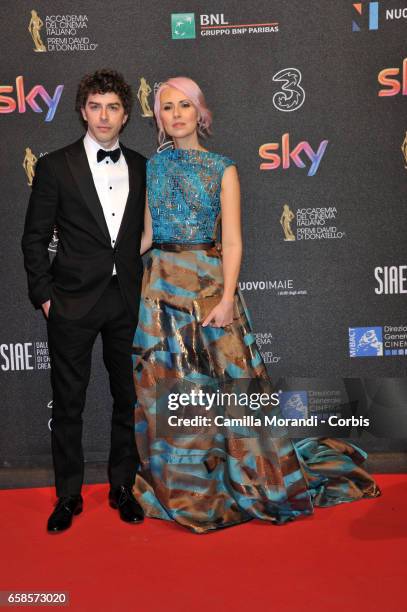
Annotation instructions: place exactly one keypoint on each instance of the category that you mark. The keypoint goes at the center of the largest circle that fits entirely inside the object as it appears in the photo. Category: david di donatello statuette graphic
(29, 165)
(286, 218)
(34, 29)
(93, 191)
(143, 92)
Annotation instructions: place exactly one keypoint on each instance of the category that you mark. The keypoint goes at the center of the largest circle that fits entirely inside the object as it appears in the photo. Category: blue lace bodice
(183, 187)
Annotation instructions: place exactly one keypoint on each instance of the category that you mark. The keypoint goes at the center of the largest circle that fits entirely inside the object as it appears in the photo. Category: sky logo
(8, 104)
(393, 86)
(373, 19)
(291, 155)
(365, 341)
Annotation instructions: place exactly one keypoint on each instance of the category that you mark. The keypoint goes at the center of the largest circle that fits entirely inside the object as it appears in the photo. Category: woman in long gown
(206, 482)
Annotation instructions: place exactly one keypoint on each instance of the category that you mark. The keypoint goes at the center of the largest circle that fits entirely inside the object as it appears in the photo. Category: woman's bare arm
(232, 248)
(147, 237)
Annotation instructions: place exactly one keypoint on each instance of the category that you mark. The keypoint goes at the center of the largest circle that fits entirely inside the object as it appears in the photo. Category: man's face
(105, 116)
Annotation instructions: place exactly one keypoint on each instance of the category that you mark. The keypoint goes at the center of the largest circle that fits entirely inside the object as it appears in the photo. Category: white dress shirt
(112, 185)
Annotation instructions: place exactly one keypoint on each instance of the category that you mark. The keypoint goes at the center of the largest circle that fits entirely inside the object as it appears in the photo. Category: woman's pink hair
(193, 92)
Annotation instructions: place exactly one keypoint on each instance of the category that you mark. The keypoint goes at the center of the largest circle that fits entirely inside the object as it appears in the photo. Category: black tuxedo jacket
(64, 195)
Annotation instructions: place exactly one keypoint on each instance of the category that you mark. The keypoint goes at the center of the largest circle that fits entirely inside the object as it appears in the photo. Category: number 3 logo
(291, 96)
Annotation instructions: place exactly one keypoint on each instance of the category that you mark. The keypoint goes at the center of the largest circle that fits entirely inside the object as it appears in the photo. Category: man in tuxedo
(93, 192)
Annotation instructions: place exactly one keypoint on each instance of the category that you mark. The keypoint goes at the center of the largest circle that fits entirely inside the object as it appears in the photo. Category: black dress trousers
(70, 346)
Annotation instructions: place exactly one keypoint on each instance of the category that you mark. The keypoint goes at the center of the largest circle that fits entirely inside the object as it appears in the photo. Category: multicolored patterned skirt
(209, 482)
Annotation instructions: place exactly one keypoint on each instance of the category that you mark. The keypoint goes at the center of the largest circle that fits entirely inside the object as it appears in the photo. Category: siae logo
(393, 86)
(17, 356)
(372, 16)
(24, 356)
(276, 160)
(9, 104)
(390, 280)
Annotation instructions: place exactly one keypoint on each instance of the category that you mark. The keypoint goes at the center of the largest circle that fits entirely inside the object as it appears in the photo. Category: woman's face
(178, 115)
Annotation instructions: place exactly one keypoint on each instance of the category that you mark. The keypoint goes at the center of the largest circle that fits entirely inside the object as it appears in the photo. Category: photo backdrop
(309, 99)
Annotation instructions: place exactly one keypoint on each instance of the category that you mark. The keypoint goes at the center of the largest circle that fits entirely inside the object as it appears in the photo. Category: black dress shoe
(65, 509)
(123, 500)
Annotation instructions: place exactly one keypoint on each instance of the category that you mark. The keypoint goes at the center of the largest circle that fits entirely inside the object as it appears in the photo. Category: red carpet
(348, 558)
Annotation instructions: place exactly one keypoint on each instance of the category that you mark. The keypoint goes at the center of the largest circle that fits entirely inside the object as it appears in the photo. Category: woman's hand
(221, 315)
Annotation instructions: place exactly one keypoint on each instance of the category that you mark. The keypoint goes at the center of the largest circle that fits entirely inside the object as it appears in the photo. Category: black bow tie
(114, 155)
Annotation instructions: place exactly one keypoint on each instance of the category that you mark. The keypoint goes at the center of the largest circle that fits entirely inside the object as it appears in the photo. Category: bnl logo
(373, 10)
(183, 25)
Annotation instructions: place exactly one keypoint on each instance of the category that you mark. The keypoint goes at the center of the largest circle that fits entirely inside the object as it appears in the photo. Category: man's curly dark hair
(104, 81)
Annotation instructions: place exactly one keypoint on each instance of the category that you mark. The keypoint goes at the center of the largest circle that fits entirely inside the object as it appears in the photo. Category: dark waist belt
(183, 246)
